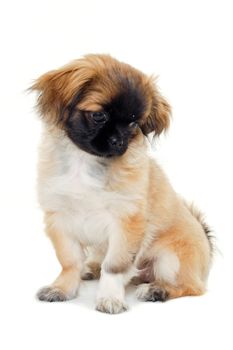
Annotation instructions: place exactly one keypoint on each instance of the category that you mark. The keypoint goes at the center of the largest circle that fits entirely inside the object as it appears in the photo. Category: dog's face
(101, 104)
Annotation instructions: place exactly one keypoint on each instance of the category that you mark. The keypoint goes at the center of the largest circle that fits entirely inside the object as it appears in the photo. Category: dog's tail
(206, 228)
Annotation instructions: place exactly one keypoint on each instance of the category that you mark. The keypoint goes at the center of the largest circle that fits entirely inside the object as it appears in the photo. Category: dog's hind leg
(178, 264)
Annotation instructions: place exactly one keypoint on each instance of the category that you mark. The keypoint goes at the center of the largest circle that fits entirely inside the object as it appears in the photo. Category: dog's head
(101, 104)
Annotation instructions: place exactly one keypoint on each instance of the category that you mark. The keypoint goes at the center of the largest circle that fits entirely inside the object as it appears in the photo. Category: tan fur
(151, 222)
(66, 251)
(92, 271)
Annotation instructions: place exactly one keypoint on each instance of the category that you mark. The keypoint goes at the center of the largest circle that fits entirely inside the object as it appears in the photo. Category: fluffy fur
(109, 209)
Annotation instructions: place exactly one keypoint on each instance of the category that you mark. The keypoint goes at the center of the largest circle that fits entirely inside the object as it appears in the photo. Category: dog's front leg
(116, 272)
(70, 256)
(111, 293)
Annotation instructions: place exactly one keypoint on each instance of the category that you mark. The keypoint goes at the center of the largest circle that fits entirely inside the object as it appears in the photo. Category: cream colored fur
(86, 203)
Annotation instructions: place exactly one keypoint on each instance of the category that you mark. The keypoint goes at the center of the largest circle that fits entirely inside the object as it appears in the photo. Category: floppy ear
(49, 101)
(158, 119)
(57, 88)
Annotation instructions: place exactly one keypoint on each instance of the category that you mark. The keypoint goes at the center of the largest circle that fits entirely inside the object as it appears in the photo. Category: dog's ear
(49, 102)
(158, 119)
(57, 88)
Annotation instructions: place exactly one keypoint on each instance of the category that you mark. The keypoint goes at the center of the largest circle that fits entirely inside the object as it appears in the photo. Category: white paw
(111, 305)
(142, 291)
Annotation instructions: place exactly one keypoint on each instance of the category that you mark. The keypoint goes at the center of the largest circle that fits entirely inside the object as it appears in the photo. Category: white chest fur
(75, 187)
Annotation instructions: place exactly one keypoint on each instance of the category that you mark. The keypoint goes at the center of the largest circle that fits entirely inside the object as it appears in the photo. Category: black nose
(116, 142)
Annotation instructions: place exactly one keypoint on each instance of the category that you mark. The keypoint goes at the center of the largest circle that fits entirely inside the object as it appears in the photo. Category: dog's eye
(99, 117)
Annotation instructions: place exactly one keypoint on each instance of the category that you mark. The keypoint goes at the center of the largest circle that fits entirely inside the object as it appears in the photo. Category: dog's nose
(116, 142)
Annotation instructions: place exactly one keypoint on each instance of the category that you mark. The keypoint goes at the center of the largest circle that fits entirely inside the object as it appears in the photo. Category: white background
(189, 45)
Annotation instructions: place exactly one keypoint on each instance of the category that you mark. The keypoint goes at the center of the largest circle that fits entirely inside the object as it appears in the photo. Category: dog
(110, 211)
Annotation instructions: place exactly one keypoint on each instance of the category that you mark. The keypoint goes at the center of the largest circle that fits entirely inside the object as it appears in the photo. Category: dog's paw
(148, 292)
(87, 276)
(111, 305)
(51, 294)
(91, 271)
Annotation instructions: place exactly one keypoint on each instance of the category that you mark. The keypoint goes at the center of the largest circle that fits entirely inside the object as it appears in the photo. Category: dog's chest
(78, 192)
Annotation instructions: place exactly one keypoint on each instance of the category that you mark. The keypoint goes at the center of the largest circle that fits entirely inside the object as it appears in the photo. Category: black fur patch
(128, 105)
(125, 108)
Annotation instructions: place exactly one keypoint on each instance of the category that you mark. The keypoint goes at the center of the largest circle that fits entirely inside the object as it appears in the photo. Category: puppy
(110, 211)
